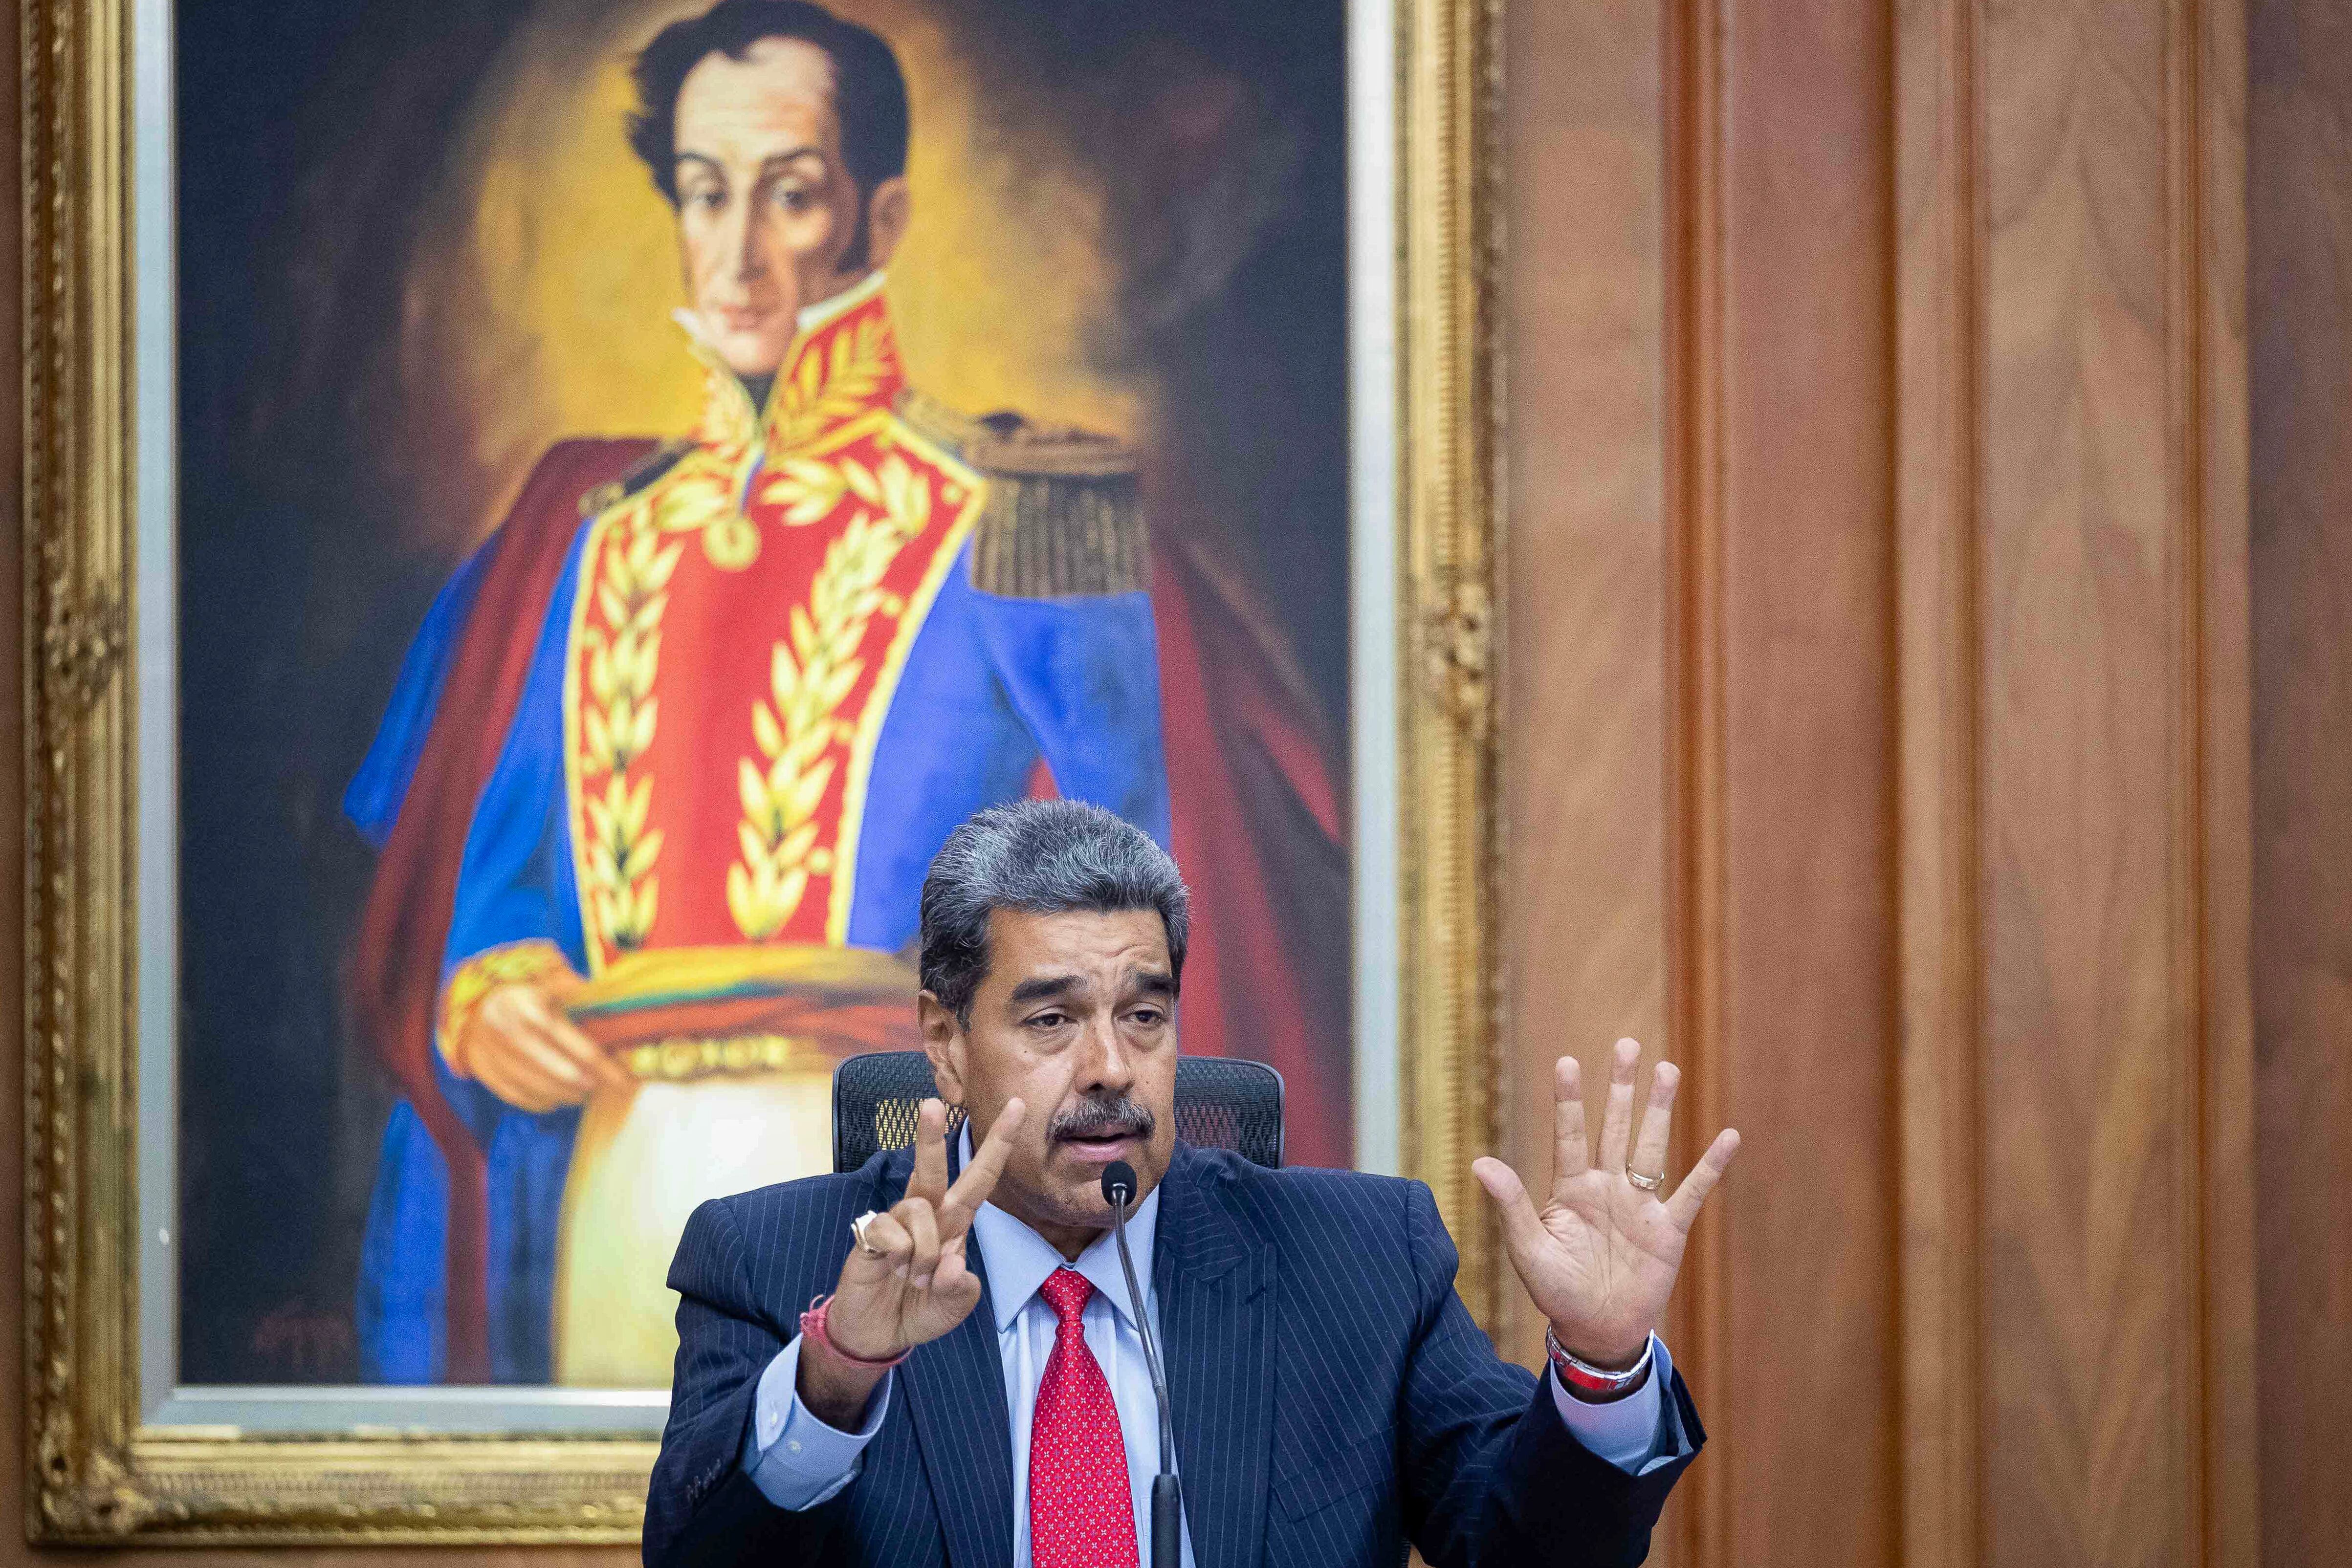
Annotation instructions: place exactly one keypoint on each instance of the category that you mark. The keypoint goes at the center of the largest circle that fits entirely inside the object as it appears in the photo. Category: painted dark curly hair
(869, 91)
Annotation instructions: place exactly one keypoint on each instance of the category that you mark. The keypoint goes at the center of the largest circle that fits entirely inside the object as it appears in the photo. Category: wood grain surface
(2106, 699)
(1939, 354)
(1807, 1052)
(1700, 631)
(1952, 888)
(2085, 1316)
(2299, 204)
(1584, 681)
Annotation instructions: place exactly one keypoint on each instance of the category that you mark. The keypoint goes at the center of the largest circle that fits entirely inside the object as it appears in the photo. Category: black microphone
(1119, 1189)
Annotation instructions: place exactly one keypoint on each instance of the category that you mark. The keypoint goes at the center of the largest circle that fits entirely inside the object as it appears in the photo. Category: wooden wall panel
(2072, 661)
(1952, 689)
(1584, 799)
(2089, 1249)
(2300, 291)
(1807, 1041)
(1939, 347)
(1699, 624)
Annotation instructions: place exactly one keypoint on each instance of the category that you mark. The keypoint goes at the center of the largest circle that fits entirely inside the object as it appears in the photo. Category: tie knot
(1067, 1292)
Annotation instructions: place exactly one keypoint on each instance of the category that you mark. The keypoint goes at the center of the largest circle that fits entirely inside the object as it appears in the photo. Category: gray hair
(1040, 857)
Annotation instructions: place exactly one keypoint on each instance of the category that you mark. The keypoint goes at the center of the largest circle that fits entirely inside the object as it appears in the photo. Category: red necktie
(1081, 1514)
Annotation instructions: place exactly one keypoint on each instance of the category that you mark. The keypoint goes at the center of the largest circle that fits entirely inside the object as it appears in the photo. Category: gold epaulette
(1063, 518)
(640, 473)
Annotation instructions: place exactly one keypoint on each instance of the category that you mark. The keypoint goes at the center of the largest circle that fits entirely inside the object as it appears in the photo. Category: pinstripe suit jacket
(1332, 1398)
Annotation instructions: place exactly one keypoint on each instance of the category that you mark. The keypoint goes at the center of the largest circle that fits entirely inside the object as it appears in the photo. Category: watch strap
(1595, 1382)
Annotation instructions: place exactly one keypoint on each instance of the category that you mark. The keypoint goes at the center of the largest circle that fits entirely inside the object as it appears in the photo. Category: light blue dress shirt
(797, 1461)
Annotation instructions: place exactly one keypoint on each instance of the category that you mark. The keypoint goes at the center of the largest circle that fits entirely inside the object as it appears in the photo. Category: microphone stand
(1166, 1509)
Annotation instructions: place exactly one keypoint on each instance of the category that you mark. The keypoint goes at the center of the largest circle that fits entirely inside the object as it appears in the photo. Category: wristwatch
(1595, 1382)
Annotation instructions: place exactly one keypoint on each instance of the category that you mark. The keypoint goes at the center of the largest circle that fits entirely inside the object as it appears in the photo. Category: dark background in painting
(309, 134)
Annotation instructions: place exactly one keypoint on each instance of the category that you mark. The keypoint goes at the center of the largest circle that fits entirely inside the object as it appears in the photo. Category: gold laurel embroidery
(472, 982)
(699, 497)
(811, 673)
(730, 420)
(836, 381)
(806, 489)
(704, 493)
(617, 724)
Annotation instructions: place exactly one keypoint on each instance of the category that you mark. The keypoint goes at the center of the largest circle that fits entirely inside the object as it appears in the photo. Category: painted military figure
(665, 766)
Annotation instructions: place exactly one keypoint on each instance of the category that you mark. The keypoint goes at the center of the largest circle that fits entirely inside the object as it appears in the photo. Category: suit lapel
(955, 1391)
(1214, 1278)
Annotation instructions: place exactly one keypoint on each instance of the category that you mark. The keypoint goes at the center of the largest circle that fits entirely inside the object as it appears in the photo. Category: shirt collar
(811, 316)
(1018, 1259)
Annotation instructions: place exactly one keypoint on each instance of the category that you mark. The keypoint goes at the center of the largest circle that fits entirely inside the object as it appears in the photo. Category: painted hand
(519, 1045)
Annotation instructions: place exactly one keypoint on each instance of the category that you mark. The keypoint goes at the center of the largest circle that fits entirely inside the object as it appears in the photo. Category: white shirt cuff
(1625, 1432)
(796, 1461)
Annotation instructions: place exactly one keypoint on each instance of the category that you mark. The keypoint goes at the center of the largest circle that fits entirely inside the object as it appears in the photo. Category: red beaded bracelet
(813, 1330)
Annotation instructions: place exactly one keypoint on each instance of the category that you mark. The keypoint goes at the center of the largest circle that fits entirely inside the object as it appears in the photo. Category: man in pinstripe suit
(1332, 1399)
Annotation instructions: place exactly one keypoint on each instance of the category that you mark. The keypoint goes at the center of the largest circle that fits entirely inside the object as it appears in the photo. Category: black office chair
(1221, 1103)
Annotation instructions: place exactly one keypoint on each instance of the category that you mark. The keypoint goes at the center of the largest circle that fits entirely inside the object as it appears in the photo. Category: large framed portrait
(539, 519)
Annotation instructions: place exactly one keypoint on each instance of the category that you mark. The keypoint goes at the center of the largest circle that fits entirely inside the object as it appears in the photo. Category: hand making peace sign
(906, 1283)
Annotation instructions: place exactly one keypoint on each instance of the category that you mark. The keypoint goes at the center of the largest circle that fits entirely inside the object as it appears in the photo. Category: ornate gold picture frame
(103, 1469)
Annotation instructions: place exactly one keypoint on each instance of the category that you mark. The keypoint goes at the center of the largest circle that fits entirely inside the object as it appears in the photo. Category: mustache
(1092, 1118)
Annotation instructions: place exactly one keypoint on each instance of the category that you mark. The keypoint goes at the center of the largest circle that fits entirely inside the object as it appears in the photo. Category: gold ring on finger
(857, 1227)
(1646, 1183)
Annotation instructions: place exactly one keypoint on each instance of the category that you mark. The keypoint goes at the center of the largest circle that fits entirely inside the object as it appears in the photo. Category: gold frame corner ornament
(95, 1472)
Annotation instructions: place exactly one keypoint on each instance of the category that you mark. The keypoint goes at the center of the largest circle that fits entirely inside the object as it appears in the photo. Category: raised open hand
(1601, 1256)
